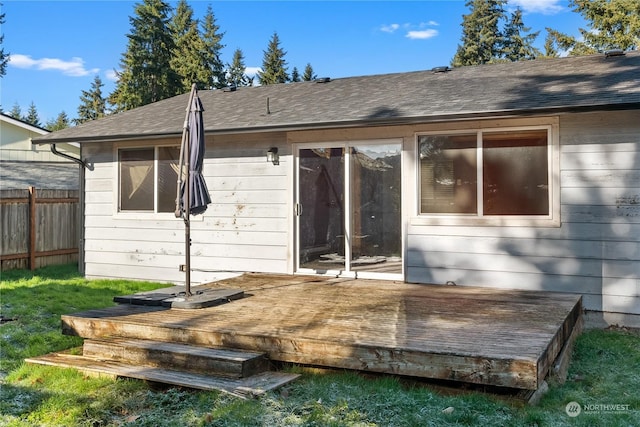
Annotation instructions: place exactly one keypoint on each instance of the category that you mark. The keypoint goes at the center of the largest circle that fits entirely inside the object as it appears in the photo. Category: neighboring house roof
(22, 124)
(540, 86)
(46, 175)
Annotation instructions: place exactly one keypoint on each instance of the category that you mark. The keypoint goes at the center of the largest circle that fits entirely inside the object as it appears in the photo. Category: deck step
(248, 387)
(179, 357)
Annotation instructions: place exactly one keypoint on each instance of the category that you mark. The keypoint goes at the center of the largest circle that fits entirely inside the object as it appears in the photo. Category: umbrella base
(203, 299)
(175, 297)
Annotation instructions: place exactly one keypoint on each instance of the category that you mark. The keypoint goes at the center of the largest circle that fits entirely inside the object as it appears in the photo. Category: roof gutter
(55, 151)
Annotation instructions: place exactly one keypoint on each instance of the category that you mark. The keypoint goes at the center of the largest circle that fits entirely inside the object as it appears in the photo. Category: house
(516, 175)
(23, 164)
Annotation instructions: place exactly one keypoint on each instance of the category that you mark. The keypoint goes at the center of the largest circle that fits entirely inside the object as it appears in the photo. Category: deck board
(472, 334)
(251, 386)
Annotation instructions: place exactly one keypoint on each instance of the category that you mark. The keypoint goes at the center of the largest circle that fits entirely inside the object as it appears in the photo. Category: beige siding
(596, 250)
(244, 229)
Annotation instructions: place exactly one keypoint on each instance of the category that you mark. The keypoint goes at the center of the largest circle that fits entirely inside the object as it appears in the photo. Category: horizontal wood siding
(596, 250)
(245, 228)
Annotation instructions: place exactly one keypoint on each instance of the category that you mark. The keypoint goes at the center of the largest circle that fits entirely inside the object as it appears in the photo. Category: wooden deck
(467, 334)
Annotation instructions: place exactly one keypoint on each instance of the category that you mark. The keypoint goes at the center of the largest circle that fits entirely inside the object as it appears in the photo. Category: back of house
(517, 176)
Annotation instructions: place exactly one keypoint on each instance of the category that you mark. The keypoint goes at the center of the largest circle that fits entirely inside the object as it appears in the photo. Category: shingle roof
(47, 175)
(543, 85)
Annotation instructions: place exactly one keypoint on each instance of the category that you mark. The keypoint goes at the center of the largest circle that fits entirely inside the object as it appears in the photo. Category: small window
(486, 174)
(448, 172)
(148, 179)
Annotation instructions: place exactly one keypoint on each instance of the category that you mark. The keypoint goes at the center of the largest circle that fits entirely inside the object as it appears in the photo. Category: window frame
(141, 214)
(552, 219)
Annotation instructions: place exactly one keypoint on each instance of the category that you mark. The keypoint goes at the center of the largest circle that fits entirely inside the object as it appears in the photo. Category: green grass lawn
(604, 378)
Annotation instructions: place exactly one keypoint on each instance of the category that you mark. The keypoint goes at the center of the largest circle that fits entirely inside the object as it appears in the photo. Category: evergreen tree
(187, 59)
(569, 44)
(16, 112)
(518, 44)
(550, 50)
(613, 24)
(93, 105)
(482, 41)
(61, 122)
(274, 66)
(4, 57)
(212, 38)
(147, 75)
(308, 74)
(236, 75)
(295, 75)
(32, 116)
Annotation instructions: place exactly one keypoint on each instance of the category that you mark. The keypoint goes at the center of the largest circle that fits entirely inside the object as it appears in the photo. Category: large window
(487, 175)
(148, 179)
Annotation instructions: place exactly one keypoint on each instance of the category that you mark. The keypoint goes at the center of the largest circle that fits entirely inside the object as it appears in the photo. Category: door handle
(298, 209)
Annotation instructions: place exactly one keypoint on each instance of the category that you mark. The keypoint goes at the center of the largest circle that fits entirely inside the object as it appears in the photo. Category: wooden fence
(39, 228)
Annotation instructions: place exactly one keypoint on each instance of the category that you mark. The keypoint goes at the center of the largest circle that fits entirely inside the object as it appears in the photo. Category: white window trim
(142, 215)
(553, 160)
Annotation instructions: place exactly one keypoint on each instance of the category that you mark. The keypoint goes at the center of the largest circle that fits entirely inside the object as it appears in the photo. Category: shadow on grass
(18, 401)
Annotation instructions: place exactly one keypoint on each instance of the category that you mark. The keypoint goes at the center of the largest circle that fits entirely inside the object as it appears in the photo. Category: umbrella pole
(184, 160)
(187, 227)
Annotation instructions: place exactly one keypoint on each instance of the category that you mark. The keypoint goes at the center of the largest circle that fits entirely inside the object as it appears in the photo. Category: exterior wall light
(272, 156)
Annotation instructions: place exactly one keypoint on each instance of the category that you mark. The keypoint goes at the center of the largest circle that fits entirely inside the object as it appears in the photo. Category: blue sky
(58, 47)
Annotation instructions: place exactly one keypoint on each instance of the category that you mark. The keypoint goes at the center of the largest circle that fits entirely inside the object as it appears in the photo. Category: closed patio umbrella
(193, 195)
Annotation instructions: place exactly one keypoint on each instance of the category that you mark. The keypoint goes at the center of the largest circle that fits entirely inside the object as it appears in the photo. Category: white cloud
(111, 75)
(74, 68)
(546, 7)
(413, 31)
(389, 28)
(252, 71)
(422, 34)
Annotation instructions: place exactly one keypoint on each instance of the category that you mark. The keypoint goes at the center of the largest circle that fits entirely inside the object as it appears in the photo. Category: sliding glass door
(349, 209)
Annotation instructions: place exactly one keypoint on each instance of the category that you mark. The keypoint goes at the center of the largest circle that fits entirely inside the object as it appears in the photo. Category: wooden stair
(241, 373)
(212, 361)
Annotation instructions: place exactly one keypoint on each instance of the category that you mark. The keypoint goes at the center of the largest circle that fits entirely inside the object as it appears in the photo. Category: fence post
(32, 227)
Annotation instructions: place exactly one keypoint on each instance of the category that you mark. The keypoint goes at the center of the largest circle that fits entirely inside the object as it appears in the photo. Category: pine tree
(569, 44)
(295, 75)
(187, 60)
(613, 24)
(61, 122)
(212, 38)
(236, 75)
(147, 75)
(518, 45)
(550, 50)
(16, 112)
(274, 66)
(482, 41)
(93, 105)
(308, 74)
(4, 57)
(32, 116)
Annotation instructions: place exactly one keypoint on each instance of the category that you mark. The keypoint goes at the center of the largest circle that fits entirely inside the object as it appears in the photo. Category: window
(148, 179)
(487, 176)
